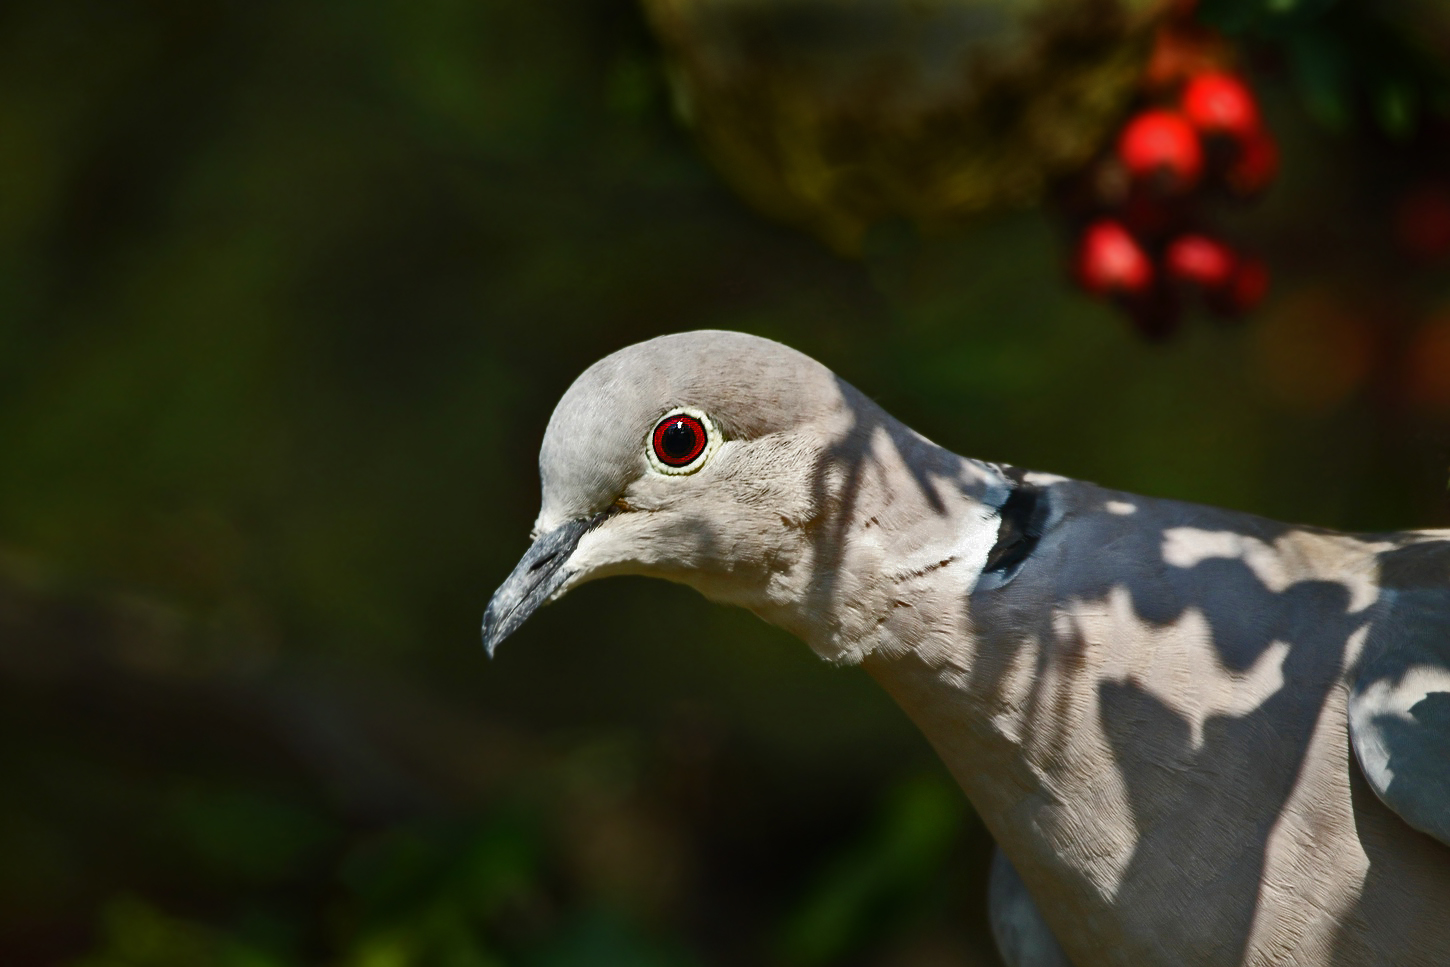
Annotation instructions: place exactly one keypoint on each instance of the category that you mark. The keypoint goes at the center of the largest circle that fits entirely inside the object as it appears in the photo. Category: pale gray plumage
(1021, 934)
(1151, 704)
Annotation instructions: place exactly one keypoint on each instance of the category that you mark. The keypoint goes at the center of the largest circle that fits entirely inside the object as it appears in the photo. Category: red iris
(679, 440)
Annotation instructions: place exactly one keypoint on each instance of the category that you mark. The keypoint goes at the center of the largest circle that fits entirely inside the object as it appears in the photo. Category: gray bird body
(1200, 737)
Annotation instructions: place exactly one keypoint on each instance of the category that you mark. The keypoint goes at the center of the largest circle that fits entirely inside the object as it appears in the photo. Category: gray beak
(536, 577)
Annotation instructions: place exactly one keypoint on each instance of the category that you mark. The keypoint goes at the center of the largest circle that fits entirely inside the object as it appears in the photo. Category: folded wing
(1399, 702)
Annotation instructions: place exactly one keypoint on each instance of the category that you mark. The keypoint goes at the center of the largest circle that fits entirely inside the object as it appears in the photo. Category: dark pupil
(678, 440)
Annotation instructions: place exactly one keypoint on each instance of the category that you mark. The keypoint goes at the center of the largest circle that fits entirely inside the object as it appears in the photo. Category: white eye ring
(679, 461)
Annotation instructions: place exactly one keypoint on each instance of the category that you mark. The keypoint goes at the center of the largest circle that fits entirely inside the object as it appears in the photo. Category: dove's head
(716, 459)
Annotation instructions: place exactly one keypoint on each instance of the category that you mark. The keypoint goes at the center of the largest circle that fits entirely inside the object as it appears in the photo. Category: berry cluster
(1136, 211)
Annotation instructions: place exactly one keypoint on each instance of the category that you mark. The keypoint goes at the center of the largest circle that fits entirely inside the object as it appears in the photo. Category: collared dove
(1200, 737)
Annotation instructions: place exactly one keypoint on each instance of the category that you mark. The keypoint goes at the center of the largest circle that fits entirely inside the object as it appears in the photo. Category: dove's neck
(1142, 711)
(902, 532)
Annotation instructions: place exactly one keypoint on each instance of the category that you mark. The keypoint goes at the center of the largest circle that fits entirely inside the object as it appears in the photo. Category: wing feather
(1399, 701)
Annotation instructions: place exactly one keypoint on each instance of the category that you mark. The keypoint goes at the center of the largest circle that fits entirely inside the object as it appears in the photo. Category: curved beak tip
(535, 579)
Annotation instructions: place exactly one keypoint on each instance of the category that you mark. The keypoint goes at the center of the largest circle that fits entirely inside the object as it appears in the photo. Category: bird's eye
(681, 441)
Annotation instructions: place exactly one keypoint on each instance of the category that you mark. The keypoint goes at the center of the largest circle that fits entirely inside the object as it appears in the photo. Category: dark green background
(287, 293)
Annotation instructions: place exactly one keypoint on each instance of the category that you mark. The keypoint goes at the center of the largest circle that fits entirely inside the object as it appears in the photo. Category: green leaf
(249, 833)
(136, 934)
(1322, 74)
(1397, 107)
(601, 939)
(865, 891)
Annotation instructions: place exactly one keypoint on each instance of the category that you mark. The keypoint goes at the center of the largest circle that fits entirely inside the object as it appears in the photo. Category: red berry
(1250, 284)
(1111, 262)
(1201, 261)
(1422, 221)
(1162, 149)
(1256, 165)
(1221, 104)
(1246, 289)
(1426, 381)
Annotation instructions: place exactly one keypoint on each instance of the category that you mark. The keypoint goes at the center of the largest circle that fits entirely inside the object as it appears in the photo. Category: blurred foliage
(894, 873)
(836, 116)
(1352, 62)
(287, 292)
